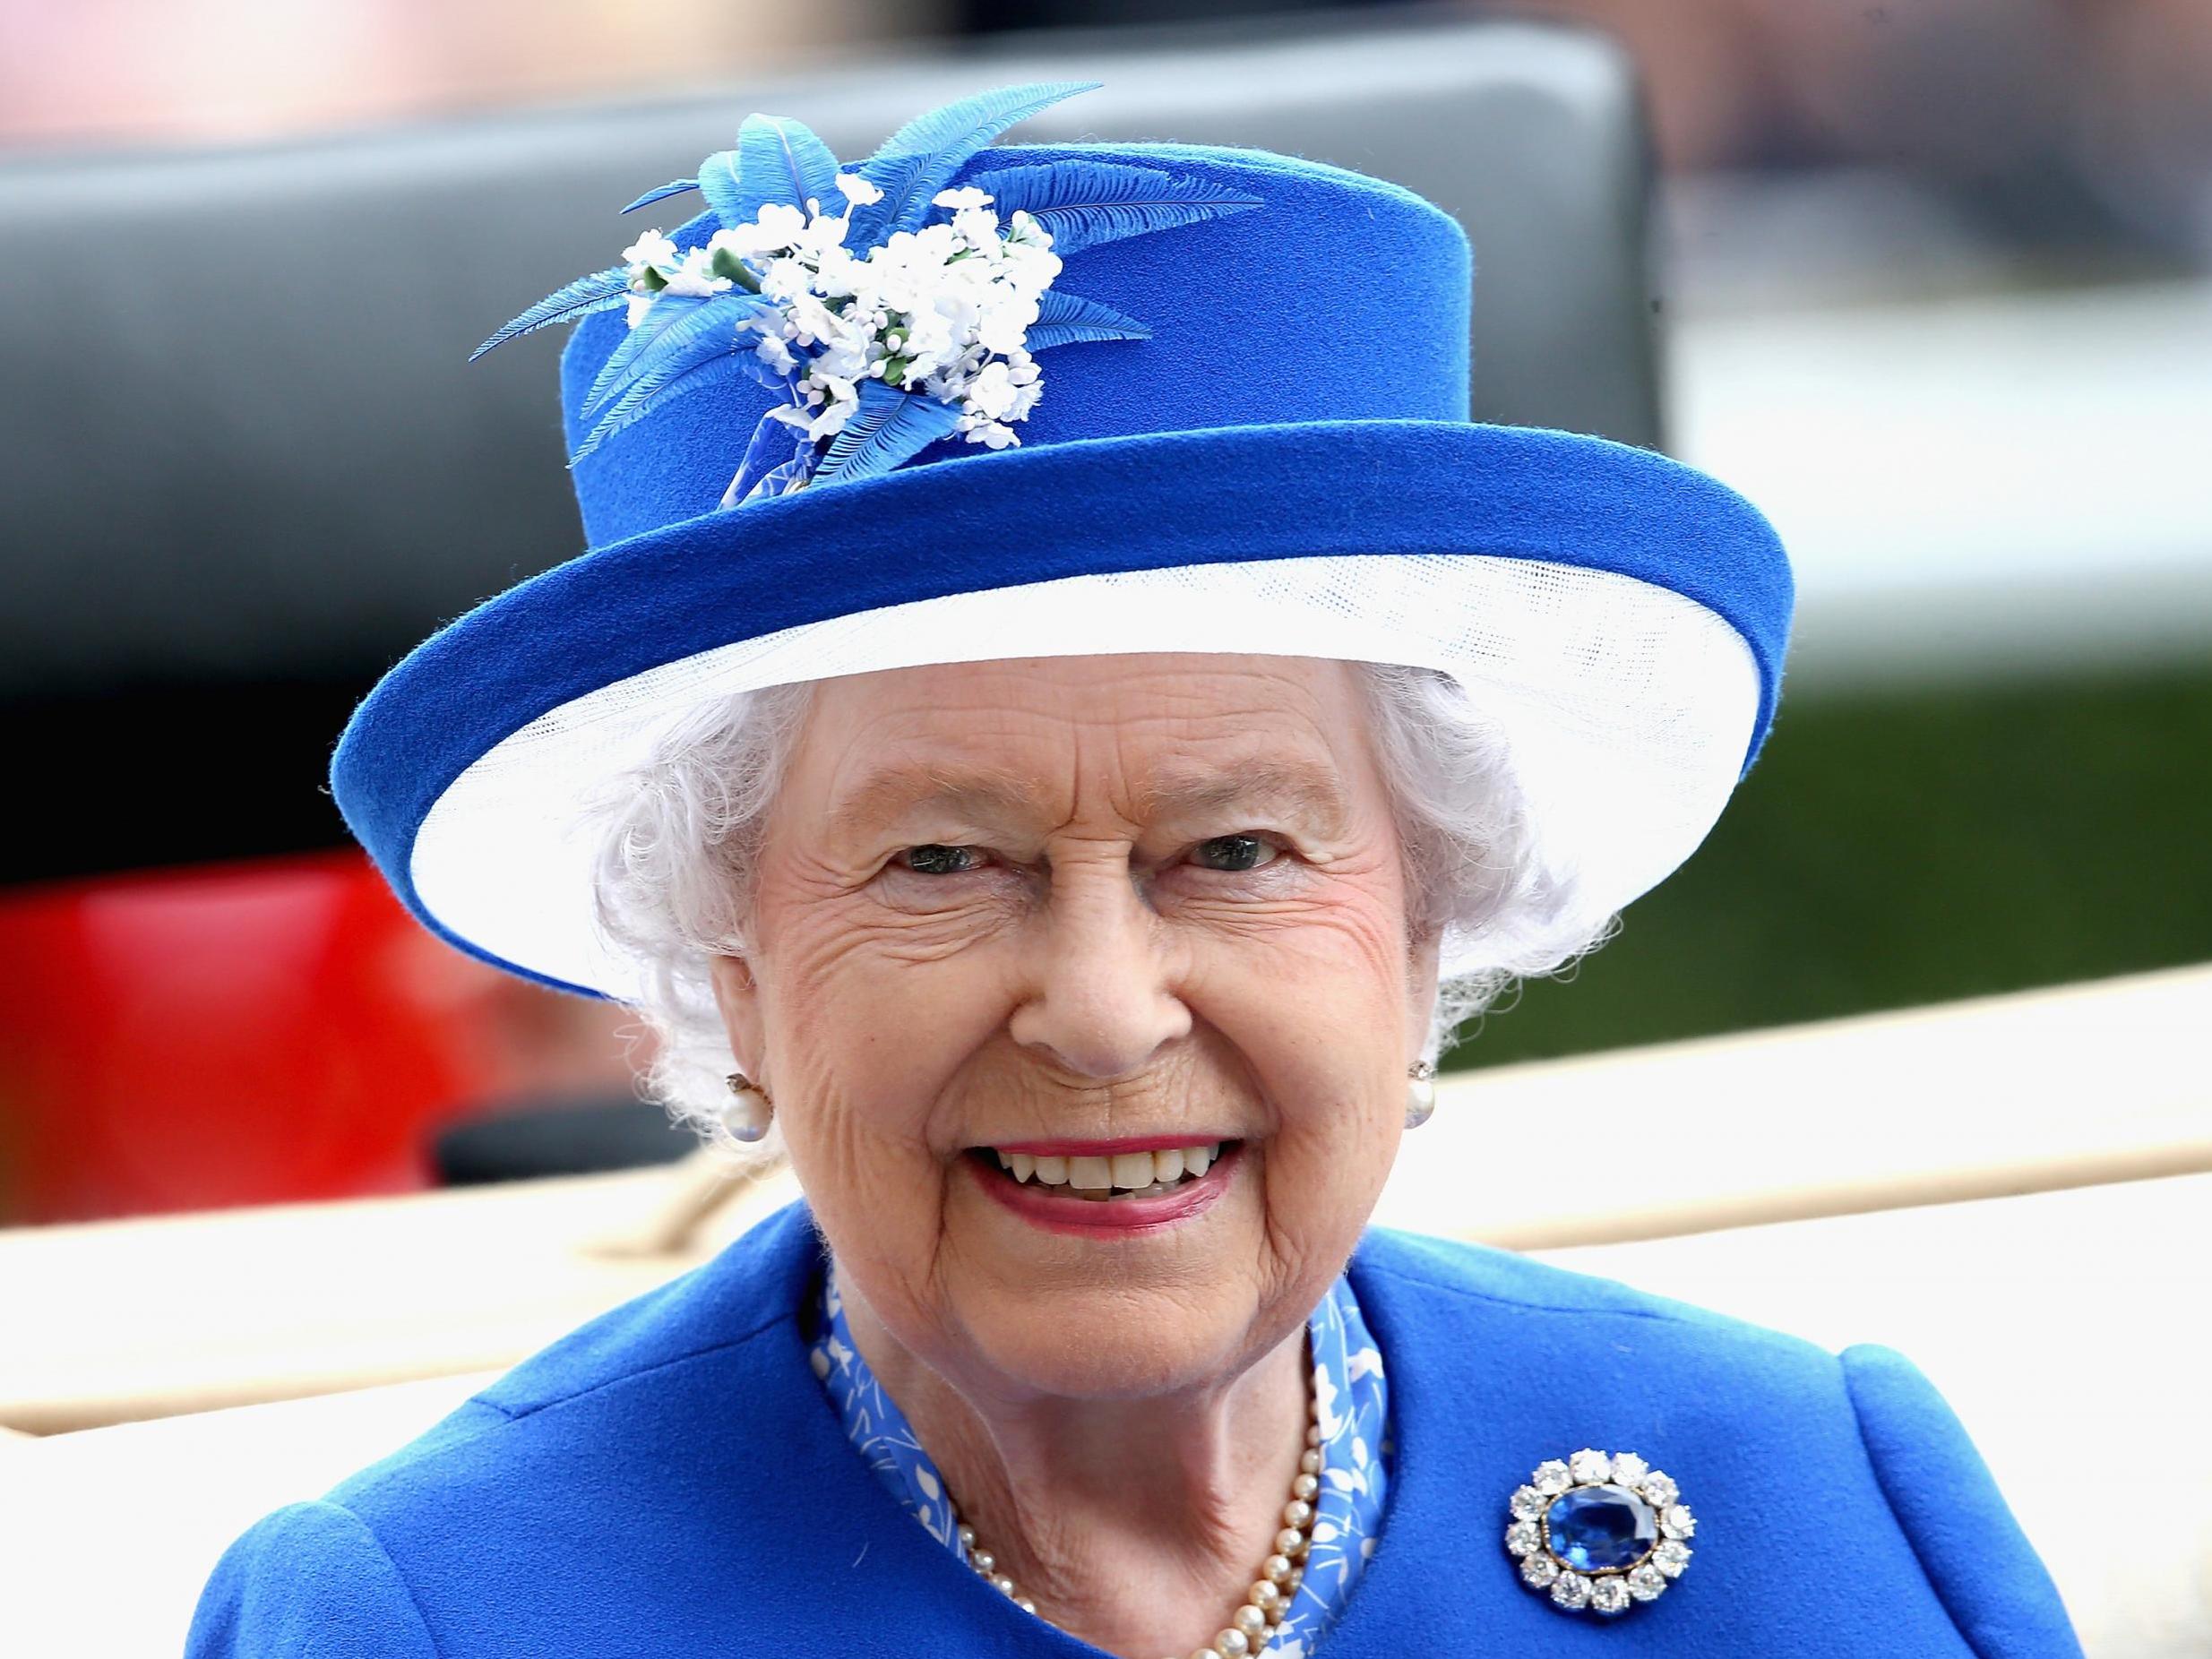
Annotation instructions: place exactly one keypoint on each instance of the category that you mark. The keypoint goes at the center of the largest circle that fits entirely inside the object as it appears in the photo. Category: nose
(1100, 999)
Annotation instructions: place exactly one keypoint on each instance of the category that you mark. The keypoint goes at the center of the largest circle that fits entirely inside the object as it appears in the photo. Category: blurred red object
(249, 1032)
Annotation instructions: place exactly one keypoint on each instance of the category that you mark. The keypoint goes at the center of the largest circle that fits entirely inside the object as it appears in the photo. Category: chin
(1107, 1304)
(1133, 1346)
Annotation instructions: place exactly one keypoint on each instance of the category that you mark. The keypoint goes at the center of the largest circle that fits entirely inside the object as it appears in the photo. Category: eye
(1233, 853)
(936, 859)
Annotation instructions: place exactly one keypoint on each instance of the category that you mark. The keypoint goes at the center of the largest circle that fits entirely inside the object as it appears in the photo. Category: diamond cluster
(1599, 1532)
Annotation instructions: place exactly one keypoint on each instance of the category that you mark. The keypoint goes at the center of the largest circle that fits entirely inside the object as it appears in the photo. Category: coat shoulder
(565, 1498)
(309, 1580)
(590, 1384)
(1784, 1451)
(1450, 1282)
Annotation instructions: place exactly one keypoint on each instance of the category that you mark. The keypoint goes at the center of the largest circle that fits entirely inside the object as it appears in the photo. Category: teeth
(1133, 1169)
(1124, 1173)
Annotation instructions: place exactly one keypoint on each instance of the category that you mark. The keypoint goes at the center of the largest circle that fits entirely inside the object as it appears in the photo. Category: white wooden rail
(2061, 1325)
(2017, 1192)
(2107, 1082)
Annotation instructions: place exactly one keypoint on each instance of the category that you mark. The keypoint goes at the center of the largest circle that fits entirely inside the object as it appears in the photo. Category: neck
(1137, 1524)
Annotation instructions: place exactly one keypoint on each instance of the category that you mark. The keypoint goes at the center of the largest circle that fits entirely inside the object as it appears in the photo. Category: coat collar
(1436, 1569)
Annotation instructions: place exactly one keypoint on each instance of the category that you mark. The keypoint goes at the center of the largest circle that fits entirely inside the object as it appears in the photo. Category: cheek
(1326, 972)
(870, 1042)
(869, 1017)
(1317, 1008)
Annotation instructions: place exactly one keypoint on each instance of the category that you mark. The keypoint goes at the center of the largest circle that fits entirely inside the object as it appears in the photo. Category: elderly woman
(1070, 853)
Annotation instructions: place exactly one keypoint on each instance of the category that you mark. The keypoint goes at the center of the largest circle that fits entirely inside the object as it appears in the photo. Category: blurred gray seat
(245, 467)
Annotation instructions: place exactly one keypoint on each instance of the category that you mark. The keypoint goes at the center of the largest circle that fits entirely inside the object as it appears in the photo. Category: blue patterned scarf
(1347, 1382)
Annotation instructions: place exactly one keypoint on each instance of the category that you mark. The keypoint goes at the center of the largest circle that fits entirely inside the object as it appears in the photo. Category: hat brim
(1620, 617)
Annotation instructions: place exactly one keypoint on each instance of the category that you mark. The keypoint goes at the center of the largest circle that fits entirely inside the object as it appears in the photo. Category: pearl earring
(1420, 1094)
(747, 1115)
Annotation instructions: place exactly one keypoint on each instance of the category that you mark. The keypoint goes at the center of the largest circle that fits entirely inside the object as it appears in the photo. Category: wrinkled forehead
(1146, 737)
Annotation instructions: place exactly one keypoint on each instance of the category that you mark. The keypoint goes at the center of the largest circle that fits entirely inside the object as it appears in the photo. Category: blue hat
(960, 403)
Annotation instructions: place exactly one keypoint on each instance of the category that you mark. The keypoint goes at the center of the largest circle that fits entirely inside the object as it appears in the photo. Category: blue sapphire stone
(1596, 1529)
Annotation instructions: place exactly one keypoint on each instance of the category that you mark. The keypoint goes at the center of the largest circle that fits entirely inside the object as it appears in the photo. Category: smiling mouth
(1107, 1178)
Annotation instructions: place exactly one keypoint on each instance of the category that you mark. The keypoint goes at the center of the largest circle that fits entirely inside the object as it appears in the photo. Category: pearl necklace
(1267, 1604)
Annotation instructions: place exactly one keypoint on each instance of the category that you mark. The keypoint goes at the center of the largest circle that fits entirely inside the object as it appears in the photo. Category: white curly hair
(678, 838)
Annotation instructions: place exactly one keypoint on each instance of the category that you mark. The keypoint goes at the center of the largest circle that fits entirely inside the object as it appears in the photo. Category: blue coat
(670, 1483)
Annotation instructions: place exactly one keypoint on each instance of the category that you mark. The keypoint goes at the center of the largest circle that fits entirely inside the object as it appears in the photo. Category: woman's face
(1075, 916)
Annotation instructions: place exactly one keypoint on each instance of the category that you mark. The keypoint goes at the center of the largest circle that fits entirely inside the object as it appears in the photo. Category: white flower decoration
(926, 330)
(771, 349)
(943, 311)
(694, 275)
(652, 248)
(858, 190)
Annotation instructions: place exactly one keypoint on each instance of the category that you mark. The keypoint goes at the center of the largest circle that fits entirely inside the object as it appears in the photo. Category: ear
(1422, 976)
(737, 994)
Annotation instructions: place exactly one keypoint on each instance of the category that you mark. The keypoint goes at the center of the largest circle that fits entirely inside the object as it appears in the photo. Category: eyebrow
(886, 796)
(993, 797)
(1298, 787)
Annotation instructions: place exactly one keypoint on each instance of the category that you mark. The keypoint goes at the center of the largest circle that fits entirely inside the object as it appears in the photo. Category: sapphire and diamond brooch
(1599, 1532)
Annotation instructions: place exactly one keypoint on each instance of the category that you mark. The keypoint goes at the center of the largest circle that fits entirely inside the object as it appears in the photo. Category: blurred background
(1931, 280)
